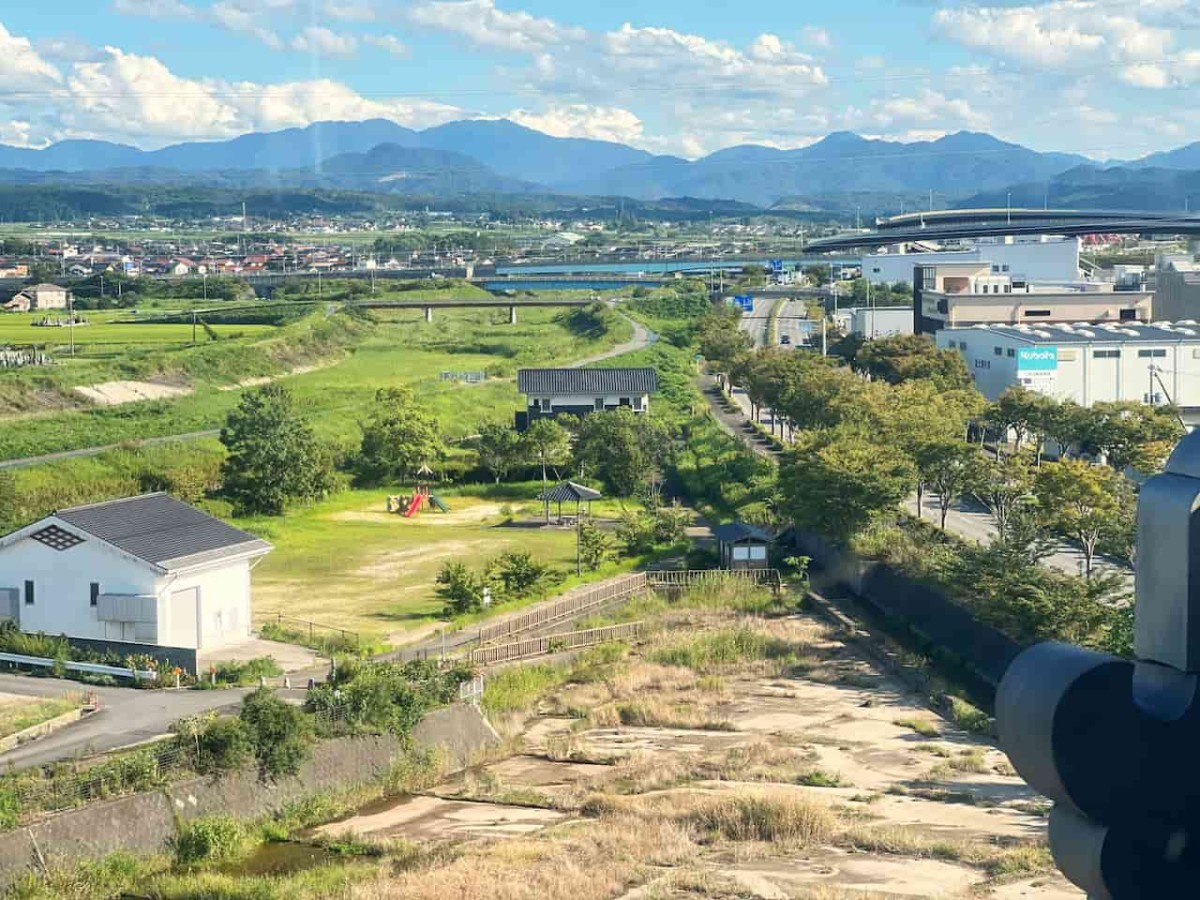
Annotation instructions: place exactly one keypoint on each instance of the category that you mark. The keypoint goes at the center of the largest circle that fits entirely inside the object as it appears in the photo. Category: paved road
(642, 338)
(127, 716)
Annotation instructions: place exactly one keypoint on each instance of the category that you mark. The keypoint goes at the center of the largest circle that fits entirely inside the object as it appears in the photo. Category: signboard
(745, 302)
(1037, 367)
(776, 266)
(1037, 359)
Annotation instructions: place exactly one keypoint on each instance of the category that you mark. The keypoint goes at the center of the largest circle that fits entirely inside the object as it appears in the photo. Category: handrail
(540, 646)
(72, 666)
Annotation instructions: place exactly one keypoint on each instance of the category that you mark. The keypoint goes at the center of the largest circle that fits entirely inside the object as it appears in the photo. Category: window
(29, 593)
(1004, 268)
(94, 599)
(1128, 315)
(757, 552)
(1010, 352)
(1106, 354)
(928, 278)
(995, 268)
(638, 402)
(1037, 313)
(1008, 289)
(998, 351)
(599, 404)
(624, 401)
(545, 404)
(1152, 354)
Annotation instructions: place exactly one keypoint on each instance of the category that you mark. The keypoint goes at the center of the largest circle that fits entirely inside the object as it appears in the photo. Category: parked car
(785, 339)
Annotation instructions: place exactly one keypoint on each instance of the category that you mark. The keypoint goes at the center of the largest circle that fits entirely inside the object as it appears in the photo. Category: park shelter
(567, 492)
(742, 546)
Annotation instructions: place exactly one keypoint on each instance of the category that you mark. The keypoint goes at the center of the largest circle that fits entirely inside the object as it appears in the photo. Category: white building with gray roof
(1089, 363)
(146, 570)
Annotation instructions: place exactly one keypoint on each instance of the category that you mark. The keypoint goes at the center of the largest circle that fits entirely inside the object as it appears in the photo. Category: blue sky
(1106, 78)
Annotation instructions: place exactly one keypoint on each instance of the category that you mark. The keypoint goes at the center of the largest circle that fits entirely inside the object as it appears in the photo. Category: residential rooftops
(163, 531)
(1183, 331)
(587, 381)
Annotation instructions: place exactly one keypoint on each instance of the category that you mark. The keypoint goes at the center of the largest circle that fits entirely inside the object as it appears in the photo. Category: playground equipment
(410, 506)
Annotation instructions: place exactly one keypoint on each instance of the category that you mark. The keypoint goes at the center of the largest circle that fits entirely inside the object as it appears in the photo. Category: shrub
(225, 745)
(753, 817)
(280, 732)
(213, 838)
(461, 588)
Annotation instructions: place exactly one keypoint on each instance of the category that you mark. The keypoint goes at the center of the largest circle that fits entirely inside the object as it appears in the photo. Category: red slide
(413, 506)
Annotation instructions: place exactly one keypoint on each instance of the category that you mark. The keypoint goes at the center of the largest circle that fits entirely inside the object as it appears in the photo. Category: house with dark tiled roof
(146, 570)
(580, 392)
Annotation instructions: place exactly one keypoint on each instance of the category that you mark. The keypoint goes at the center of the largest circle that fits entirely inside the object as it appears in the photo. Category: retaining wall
(147, 823)
(921, 607)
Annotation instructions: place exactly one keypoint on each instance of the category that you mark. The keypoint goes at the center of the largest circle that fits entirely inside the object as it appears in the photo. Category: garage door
(184, 608)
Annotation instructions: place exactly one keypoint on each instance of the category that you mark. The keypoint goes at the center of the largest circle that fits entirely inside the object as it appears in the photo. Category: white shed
(148, 569)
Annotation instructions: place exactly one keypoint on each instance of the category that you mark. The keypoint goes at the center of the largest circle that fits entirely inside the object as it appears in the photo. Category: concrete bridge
(428, 306)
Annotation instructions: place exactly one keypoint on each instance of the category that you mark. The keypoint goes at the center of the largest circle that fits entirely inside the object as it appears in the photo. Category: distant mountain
(842, 162)
(530, 155)
(1127, 188)
(499, 156)
(392, 168)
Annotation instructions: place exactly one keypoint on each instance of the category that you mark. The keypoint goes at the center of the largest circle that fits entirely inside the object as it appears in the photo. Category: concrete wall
(147, 823)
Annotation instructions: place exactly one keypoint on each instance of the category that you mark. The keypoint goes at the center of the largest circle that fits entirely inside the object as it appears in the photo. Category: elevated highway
(1006, 216)
(1188, 226)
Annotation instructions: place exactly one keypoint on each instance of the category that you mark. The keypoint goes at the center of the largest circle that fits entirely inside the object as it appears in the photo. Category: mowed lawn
(347, 562)
(17, 329)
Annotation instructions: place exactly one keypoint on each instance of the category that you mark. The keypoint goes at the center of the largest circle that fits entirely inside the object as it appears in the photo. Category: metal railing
(691, 577)
(557, 643)
(18, 659)
(572, 603)
(344, 633)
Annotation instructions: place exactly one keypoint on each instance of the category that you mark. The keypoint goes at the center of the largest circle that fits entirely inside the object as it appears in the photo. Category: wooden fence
(683, 578)
(569, 606)
(557, 643)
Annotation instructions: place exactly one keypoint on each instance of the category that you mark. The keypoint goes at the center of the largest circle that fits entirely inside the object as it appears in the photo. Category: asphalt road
(126, 716)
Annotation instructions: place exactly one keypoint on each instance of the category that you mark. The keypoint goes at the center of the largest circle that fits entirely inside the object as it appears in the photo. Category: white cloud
(921, 116)
(349, 10)
(155, 9)
(239, 20)
(323, 42)
(387, 42)
(816, 37)
(21, 66)
(579, 120)
(483, 24)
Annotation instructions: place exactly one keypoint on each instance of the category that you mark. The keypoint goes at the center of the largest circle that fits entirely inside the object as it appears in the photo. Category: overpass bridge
(428, 306)
(1006, 215)
(1174, 225)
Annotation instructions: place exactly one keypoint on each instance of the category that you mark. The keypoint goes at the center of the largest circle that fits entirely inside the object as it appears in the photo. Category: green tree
(272, 457)
(1131, 435)
(499, 449)
(546, 444)
(595, 547)
(1024, 412)
(623, 449)
(950, 469)
(460, 587)
(1004, 486)
(399, 438)
(281, 733)
(836, 482)
(720, 339)
(905, 357)
(1080, 501)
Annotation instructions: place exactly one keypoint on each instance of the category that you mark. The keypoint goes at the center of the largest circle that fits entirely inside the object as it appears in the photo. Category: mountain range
(501, 157)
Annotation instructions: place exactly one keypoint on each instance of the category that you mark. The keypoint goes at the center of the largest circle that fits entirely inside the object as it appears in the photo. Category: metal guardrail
(72, 666)
(540, 646)
(691, 577)
(571, 604)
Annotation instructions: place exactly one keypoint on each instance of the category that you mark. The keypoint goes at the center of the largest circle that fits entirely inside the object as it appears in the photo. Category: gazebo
(565, 493)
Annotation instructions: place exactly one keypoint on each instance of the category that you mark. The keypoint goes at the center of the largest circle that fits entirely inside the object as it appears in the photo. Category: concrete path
(642, 338)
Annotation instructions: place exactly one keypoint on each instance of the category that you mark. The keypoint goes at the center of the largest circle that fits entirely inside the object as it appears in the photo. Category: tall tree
(1004, 486)
(950, 469)
(905, 357)
(398, 438)
(836, 482)
(1080, 501)
(499, 449)
(546, 444)
(1024, 412)
(623, 449)
(273, 457)
(1131, 435)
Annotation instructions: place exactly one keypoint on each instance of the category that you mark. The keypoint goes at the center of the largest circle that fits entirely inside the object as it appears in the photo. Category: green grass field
(348, 563)
(17, 329)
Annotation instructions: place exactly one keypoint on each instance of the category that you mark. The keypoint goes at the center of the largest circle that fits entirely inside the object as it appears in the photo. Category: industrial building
(1087, 363)
(956, 295)
(874, 321)
(1177, 291)
(1040, 258)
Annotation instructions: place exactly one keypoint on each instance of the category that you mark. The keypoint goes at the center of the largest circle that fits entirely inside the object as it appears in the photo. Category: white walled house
(578, 392)
(147, 569)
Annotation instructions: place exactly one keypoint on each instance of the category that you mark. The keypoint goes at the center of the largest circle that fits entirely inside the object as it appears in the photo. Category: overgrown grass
(22, 714)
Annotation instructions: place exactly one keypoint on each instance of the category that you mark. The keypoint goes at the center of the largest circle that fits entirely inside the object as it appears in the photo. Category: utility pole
(824, 343)
(193, 328)
(1010, 207)
(71, 319)
(578, 543)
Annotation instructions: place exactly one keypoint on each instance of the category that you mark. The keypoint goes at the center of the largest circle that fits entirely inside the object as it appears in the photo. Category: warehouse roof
(587, 381)
(1184, 331)
(162, 531)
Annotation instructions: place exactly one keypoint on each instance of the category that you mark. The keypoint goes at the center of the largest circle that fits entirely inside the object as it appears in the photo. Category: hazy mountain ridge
(499, 156)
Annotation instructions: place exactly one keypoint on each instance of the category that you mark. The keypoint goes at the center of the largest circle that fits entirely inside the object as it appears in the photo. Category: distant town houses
(39, 297)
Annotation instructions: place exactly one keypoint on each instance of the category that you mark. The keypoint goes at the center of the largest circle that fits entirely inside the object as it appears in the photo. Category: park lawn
(401, 349)
(348, 563)
(18, 713)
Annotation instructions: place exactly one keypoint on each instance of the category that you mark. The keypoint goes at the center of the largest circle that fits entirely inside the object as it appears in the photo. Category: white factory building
(1038, 258)
(874, 321)
(1088, 363)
